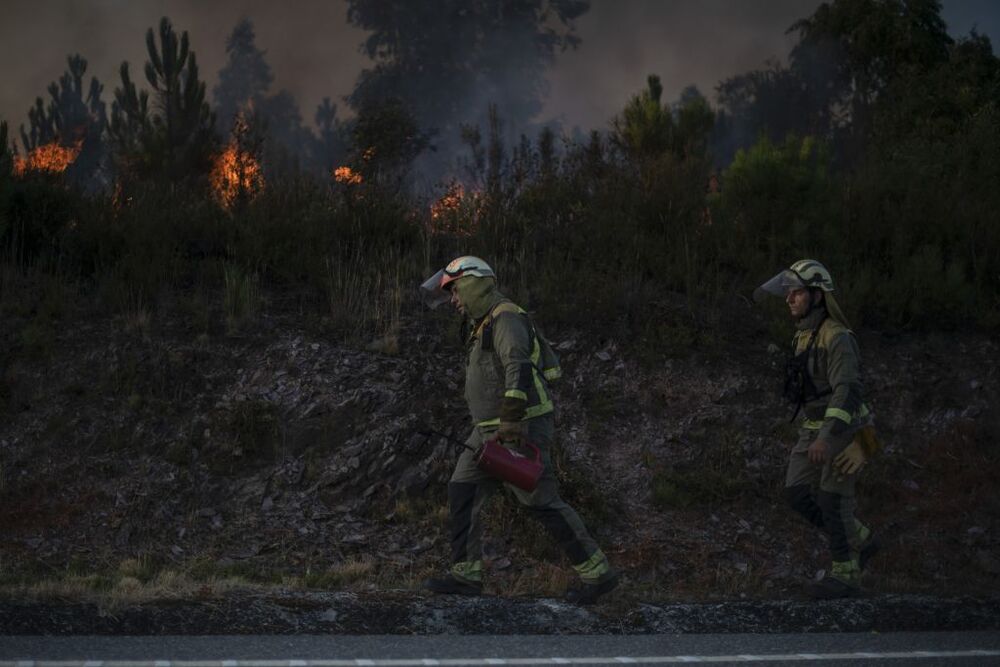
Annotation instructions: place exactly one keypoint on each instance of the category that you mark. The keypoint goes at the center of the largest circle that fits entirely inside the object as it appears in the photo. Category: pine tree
(245, 79)
(646, 127)
(131, 129)
(71, 119)
(176, 137)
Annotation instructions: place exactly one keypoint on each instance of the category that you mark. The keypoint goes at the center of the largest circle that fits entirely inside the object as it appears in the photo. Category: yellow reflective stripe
(812, 424)
(538, 410)
(468, 570)
(516, 393)
(489, 422)
(544, 402)
(552, 373)
(837, 413)
(593, 567)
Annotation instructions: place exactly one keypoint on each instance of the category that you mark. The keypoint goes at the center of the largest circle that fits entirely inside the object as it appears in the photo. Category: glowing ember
(236, 175)
(347, 175)
(368, 154)
(51, 158)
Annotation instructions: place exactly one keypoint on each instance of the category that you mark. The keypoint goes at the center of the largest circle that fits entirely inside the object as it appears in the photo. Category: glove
(852, 459)
(511, 432)
(869, 441)
(511, 413)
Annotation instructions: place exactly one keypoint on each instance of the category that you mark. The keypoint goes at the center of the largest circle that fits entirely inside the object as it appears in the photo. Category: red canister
(511, 466)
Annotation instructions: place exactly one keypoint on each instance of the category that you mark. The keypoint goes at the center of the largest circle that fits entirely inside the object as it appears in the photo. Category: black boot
(589, 592)
(840, 582)
(450, 585)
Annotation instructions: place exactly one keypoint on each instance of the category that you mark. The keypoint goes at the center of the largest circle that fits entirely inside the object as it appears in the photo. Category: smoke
(312, 50)
(684, 43)
(314, 53)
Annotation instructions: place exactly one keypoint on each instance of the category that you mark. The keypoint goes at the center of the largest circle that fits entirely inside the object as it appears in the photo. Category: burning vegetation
(237, 174)
(347, 176)
(455, 212)
(51, 158)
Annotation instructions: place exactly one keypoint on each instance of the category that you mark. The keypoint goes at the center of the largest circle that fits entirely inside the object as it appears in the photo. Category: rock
(773, 349)
(603, 356)
(267, 504)
(412, 482)
(972, 412)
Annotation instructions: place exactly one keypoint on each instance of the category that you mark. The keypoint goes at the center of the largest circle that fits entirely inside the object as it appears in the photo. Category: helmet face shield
(434, 290)
(779, 285)
(431, 292)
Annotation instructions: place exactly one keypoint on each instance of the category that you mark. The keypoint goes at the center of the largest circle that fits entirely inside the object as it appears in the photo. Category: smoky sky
(314, 52)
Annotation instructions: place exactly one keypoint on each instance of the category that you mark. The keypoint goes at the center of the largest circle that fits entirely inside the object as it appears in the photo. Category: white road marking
(450, 662)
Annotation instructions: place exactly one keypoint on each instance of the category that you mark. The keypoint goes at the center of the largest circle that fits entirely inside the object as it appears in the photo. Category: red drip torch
(504, 463)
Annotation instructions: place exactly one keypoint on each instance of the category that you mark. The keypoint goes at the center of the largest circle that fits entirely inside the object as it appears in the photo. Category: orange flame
(449, 216)
(450, 201)
(347, 175)
(236, 174)
(51, 158)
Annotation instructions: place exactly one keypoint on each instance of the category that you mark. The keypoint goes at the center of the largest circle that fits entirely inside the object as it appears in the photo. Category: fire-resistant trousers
(824, 495)
(470, 487)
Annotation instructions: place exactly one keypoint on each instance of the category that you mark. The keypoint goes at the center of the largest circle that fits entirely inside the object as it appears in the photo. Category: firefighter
(507, 391)
(835, 436)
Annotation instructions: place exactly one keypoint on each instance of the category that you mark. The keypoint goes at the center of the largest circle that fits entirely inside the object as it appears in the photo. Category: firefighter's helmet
(435, 289)
(804, 273)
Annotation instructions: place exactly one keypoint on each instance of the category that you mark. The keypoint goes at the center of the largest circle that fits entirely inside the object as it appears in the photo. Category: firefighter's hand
(818, 451)
(510, 433)
(852, 459)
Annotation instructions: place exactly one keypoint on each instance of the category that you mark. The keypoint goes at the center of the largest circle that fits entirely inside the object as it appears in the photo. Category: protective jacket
(504, 357)
(833, 364)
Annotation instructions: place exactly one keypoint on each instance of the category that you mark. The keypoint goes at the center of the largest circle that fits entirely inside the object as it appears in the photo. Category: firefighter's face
(798, 301)
(456, 300)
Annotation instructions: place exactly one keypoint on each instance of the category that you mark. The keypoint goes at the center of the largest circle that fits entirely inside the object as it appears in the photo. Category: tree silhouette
(246, 77)
(448, 60)
(72, 118)
(646, 126)
(174, 138)
(849, 53)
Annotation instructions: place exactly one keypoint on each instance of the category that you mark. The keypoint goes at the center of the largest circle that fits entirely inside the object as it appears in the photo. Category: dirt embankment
(283, 459)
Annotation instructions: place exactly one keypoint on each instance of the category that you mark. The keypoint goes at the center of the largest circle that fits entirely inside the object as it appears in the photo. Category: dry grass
(348, 574)
(241, 297)
(111, 593)
(540, 579)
